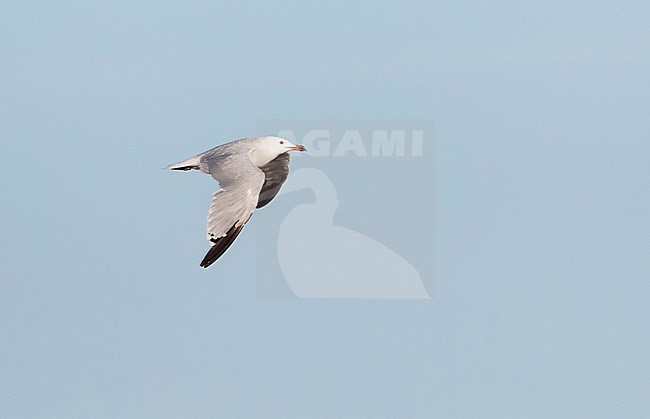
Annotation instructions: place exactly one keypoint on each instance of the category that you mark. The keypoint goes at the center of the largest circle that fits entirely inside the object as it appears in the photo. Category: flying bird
(250, 173)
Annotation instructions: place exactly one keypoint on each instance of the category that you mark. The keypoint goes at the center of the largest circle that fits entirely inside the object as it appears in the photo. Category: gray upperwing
(275, 173)
(240, 183)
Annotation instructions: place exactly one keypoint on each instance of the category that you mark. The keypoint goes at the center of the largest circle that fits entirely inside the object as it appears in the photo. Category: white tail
(189, 164)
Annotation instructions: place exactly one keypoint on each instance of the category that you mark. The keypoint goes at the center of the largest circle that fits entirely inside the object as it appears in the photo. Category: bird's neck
(260, 157)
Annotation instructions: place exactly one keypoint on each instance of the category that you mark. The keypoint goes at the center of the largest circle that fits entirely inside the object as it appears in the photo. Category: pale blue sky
(540, 297)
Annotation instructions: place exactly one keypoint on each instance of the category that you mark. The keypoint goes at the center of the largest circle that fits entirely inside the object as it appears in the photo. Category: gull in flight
(250, 173)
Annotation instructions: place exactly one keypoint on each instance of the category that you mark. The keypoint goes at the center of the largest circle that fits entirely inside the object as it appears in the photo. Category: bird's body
(250, 173)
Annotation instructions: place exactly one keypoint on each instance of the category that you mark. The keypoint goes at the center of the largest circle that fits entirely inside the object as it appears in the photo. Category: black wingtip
(221, 245)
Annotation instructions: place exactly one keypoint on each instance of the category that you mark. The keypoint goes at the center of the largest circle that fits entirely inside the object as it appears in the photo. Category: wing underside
(275, 173)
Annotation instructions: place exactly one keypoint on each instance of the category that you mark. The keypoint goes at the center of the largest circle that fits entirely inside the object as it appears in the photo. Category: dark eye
(281, 142)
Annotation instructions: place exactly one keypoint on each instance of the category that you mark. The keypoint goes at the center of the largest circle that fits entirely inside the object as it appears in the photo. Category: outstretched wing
(233, 204)
(275, 173)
